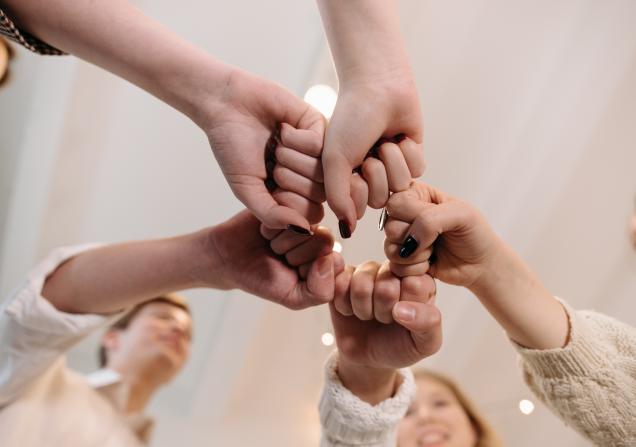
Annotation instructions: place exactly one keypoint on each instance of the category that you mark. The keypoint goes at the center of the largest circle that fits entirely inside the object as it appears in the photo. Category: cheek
(462, 429)
(406, 433)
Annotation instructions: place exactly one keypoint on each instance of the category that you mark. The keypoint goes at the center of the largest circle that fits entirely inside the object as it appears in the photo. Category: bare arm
(377, 98)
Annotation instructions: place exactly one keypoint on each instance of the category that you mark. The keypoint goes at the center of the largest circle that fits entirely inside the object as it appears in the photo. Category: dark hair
(124, 322)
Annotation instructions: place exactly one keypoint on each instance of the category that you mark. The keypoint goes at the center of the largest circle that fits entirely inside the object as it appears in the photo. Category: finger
(338, 263)
(312, 211)
(413, 154)
(408, 270)
(405, 205)
(394, 253)
(341, 300)
(269, 233)
(286, 241)
(319, 287)
(253, 193)
(303, 270)
(306, 141)
(374, 174)
(398, 174)
(320, 244)
(359, 194)
(424, 321)
(420, 289)
(433, 221)
(337, 173)
(361, 289)
(396, 230)
(291, 181)
(386, 293)
(300, 163)
(338, 266)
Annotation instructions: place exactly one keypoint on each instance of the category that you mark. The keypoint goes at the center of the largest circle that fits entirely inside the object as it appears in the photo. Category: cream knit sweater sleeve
(591, 382)
(348, 421)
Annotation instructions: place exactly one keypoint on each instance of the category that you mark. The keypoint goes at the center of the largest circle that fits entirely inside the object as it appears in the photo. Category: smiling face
(436, 418)
(156, 342)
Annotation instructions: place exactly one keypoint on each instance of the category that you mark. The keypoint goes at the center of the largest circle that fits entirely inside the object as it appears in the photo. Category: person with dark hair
(77, 290)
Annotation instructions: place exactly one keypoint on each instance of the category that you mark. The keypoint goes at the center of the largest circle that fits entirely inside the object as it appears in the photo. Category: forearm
(372, 385)
(121, 39)
(116, 277)
(364, 37)
(517, 299)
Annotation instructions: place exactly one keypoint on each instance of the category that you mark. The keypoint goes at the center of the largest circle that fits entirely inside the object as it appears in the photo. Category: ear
(111, 339)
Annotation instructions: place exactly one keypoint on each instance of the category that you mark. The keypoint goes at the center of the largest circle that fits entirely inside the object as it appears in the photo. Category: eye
(440, 403)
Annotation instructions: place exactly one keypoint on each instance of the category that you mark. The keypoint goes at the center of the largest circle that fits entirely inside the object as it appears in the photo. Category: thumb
(337, 172)
(262, 204)
(424, 321)
(320, 284)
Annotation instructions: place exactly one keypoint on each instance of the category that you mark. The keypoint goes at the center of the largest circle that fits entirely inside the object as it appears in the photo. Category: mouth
(432, 439)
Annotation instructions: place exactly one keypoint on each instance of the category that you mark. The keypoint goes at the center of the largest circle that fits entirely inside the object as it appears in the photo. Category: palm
(240, 131)
(251, 264)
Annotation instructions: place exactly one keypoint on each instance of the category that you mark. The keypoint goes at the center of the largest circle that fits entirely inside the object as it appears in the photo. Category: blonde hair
(486, 435)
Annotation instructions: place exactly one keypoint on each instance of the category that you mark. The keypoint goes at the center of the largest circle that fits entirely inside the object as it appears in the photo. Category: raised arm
(377, 96)
(238, 112)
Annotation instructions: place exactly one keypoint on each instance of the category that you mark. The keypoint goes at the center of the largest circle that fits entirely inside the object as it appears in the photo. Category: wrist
(210, 266)
(370, 384)
(199, 93)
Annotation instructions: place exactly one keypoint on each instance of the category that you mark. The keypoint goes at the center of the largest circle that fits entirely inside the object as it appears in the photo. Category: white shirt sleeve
(33, 333)
(349, 421)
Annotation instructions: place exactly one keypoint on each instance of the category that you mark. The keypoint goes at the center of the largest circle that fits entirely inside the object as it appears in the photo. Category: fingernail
(408, 247)
(404, 312)
(345, 231)
(324, 267)
(298, 230)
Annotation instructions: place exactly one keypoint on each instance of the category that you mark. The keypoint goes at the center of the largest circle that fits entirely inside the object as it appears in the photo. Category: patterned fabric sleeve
(11, 32)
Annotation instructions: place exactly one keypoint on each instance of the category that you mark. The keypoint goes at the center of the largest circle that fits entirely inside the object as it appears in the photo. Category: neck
(141, 386)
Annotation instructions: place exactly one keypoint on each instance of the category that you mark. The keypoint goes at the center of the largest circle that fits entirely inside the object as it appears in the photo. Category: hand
(366, 112)
(425, 221)
(249, 264)
(469, 253)
(371, 351)
(239, 127)
(414, 331)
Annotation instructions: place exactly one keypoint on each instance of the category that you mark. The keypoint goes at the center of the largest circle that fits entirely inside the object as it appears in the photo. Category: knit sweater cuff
(348, 420)
(580, 357)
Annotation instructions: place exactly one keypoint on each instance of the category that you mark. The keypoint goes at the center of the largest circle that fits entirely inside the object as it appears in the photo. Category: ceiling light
(327, 339)
(526, 406)
(323, 98)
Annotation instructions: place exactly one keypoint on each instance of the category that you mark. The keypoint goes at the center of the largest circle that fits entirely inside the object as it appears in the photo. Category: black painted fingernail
(298, 230)
(345, 231)
(408, 247)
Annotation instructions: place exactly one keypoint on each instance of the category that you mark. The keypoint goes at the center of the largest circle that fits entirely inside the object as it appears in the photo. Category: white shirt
(42, 401)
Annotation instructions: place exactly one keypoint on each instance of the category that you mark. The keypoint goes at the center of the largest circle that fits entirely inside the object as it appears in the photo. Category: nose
(424, 413)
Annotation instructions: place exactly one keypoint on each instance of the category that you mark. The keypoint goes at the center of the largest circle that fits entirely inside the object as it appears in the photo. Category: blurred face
(157, 342)
(435, 419)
